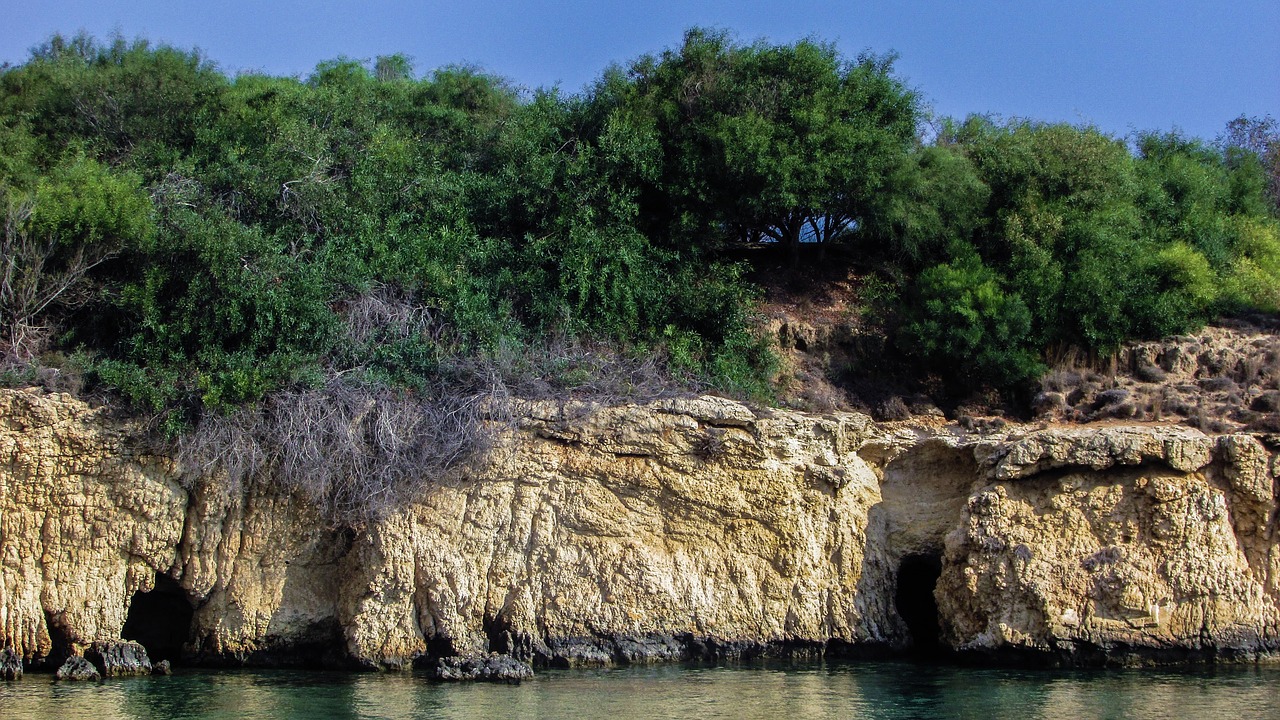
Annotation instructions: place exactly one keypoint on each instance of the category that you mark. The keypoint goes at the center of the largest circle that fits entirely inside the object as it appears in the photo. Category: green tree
(782, 143)
(78, 216)
(962, 324)
(934, 199)
(1256, 139)
(124, 101)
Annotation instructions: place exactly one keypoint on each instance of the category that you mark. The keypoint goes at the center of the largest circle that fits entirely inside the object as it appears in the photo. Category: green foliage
(766, 142)
(227, 306)
(276, 208)
(933, 199)
(965, 326)
(58, 239)
(1252, 148)
(82, 205)
(1254, 280)
(200, 241)
(1097, 243)
(126, 101)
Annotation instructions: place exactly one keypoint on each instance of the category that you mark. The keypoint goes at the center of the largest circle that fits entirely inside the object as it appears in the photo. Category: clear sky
(1122, 65)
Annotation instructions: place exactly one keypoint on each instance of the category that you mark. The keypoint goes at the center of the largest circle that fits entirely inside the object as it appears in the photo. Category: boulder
(77, 668)
(10, 665)
(484, 668)
(124, 658)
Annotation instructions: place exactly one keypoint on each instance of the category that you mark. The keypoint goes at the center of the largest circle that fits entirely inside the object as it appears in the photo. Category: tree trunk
(793, 243)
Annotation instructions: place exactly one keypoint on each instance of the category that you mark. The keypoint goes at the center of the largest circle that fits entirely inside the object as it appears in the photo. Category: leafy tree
(1252, 139)
(781, 143)
(124, 101)
(207, 240)
(935, 198)
(78, 216)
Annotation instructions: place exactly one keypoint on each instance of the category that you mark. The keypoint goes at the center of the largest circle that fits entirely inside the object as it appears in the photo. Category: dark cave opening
(160, 620)
(917, 577)
(498, 630)
(58, 639)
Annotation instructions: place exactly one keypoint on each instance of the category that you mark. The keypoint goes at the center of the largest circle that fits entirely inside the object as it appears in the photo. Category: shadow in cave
(917, 577)
(160, 620)
(60, 643)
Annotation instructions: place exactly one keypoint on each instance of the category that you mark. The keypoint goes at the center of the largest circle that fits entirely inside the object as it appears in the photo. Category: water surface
(854, 690)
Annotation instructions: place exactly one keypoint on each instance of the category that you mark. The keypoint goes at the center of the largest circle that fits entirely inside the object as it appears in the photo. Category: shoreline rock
(10, 665)
(493, 667)
(686, 529)
(77, 669)
(123, 658)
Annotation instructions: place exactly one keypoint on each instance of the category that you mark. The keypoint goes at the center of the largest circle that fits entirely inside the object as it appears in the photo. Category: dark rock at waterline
(162, 668)
(643, 649)
(10, 665)
(123, 658)
(77, 668)
(486, 668)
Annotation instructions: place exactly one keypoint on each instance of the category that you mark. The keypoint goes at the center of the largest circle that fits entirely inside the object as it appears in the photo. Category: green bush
(961, 324)
(203, 241)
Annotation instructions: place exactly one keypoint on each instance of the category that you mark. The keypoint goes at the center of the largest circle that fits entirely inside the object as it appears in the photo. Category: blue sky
(1122, 65)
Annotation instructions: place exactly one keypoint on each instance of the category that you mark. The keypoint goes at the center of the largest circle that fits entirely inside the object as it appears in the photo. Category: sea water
(828, 690)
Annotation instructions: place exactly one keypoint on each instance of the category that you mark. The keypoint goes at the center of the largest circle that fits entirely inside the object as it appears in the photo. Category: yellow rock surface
(640, 533)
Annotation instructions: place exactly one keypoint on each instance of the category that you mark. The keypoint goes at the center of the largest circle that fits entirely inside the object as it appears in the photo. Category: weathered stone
(612, 535)
(123, 658)
(485, 668)
(1099, 448)
(85, 522)
(162, 668)
(77, 668)
(710, 410)
(1144, 564)
(10, 665)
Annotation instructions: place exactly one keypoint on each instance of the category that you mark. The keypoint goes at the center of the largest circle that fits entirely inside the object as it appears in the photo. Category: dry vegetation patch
(1223, 378)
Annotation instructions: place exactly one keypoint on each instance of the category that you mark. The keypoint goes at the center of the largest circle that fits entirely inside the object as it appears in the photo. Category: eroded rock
(10, 665)
(1098, 448)
(613, 535)
(77, 669)
(484, 668)
(86, 520)
(123, 658)
(1133, 566)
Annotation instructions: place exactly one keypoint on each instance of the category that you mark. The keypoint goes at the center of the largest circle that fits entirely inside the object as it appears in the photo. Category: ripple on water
(854, 690)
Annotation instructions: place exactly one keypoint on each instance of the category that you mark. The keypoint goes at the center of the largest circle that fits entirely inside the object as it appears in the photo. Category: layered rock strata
(684, 528)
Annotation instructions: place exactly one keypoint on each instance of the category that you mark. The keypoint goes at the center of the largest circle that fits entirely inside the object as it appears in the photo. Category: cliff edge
(687, 528)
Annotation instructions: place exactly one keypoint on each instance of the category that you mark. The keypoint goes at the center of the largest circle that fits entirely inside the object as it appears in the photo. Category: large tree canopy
(193, 240)
(763, 142)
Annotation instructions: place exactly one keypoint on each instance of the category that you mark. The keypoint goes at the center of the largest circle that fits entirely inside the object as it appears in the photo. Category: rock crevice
(693, 528)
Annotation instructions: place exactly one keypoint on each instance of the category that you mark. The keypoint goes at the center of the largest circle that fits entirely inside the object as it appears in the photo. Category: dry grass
(354, 451)
(1219, 380)
(358, 449)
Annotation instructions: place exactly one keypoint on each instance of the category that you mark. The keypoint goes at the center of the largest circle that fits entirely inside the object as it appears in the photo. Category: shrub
(963, 323)
(355, 451)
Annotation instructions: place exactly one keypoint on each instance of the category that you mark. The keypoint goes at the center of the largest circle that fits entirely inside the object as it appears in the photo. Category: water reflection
(872, 690)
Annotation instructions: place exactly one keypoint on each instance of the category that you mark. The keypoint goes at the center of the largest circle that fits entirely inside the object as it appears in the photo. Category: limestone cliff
(85, 522)
(684, 528)
(1118, 543)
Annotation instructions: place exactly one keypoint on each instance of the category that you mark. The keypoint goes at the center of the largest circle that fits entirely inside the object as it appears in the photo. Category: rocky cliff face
(1118, 543)
(685, 528)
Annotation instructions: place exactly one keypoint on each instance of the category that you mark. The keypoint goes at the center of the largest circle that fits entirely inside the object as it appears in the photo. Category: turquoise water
(861, 690)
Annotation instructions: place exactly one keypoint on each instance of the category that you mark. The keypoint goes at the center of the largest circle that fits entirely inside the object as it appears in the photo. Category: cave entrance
(917, 577)
(160, 620)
